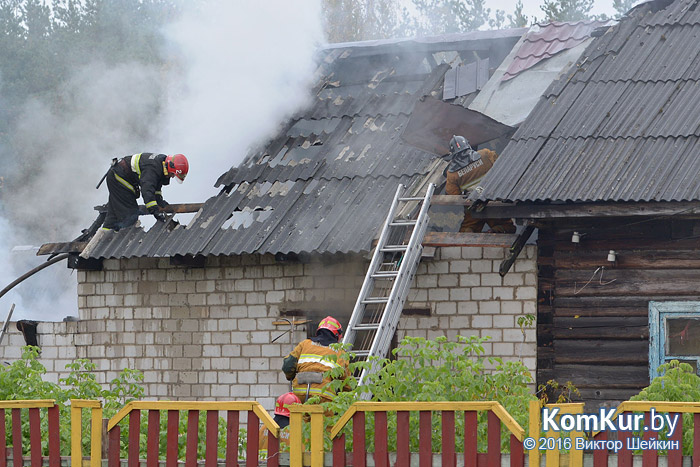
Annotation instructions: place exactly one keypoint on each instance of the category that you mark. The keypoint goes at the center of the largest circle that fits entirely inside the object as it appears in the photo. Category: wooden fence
(497, 419)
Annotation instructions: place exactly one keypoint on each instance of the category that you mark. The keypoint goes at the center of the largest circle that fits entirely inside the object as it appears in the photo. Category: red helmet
(332, 324)
(284, 401)
(177, 166)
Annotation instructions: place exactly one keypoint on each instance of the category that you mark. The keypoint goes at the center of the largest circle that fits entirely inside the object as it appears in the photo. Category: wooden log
(595, 376)
(600, 328)
(602, 312)
(663, 282)
(629, 259)
(602, 352)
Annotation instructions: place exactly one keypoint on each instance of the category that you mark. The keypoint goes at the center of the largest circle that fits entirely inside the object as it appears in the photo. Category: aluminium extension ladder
(388, 280)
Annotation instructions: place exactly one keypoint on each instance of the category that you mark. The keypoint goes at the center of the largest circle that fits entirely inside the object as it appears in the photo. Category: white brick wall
(207, 333)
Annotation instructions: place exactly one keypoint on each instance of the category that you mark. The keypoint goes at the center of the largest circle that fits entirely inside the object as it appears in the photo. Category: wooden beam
(539, 211)
(171, 208)
(56, 248)
(468, 239)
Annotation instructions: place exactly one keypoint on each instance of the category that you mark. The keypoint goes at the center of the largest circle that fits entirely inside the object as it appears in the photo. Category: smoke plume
(236, 71)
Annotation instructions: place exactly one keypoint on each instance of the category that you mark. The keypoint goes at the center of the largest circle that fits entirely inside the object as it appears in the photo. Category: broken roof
(324, 184)
(621, 126)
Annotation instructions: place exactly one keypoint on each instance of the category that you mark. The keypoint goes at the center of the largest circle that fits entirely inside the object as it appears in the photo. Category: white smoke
(237, 72)
(248, 65)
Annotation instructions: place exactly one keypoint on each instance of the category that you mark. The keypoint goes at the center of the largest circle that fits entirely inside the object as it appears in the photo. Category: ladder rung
(365, 327)
(361, 353)
(415, 198)
(402, 223)
(390, 248)
(373, 300)
(385, 274)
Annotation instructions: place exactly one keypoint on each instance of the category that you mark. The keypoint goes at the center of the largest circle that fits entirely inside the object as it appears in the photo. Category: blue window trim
(659, 312)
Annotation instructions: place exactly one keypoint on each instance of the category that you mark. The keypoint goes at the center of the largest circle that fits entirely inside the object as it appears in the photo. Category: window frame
(659, 313)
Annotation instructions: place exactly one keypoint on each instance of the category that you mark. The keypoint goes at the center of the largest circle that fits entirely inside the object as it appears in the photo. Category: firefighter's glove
(155, 211)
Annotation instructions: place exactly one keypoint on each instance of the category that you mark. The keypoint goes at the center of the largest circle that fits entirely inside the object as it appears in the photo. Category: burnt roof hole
(245, 218)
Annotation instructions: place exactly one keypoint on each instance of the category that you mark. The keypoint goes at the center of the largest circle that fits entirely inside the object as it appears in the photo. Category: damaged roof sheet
(325, 183)
(543, 41)
(621, 126)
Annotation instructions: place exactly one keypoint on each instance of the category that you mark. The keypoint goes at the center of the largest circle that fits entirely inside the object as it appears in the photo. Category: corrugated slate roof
(621, 126)
(324, 184)
(543, 41)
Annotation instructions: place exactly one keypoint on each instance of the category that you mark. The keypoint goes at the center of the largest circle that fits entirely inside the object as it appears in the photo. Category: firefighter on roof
(315, 355)
(140, 175)
(465, 172)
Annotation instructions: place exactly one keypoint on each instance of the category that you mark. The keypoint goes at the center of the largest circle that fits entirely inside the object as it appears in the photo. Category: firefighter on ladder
(466, 170)
(140, 175)
(315, 355)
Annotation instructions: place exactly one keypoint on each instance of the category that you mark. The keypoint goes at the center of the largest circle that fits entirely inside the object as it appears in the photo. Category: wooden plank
(339, 451)
(641, 300)
(494, 440)
(273, 450)
(425, 439)
(469, 239)
(3, 439)
(232, 422)
(193, 438)
(17, 458)
(600, 456)
(54, 436)
(675, 456)
(134, 437)
(449, 456)
(381, 441)
(470, 438)
(624, 455)
(35, 437)
(403, 449)
(65, 247)
(212, 438)
(171, 443)
(359, 452)
(172, 208)
(650, 457)
(152, 438)
(114, 446)
(517, 452)
(496, 209)
(253, 439)
(696, 440)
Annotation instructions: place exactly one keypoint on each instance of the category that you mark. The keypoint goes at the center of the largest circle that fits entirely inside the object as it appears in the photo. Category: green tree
(567, 10)
(449, 16)
(357, 20)
(623, 6)
(518, 19)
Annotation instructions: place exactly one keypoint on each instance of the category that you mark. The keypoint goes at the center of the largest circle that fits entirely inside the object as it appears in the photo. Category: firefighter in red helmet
(282, 419)
(137, 175)
(315, 355)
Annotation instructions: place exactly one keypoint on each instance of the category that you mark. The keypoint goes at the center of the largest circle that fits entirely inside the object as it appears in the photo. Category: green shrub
(23, 380)
(677, 382)
(436, 370)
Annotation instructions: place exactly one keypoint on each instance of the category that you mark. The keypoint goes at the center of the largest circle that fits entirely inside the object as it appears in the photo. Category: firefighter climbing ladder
(388, 280)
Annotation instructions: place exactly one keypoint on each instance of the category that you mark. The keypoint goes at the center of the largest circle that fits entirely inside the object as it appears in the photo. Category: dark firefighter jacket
(144, 173)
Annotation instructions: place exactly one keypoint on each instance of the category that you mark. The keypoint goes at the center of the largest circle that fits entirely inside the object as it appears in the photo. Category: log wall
(592, 318)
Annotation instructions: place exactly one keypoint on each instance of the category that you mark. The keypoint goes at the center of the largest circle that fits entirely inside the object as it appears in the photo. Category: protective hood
(462, 159)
